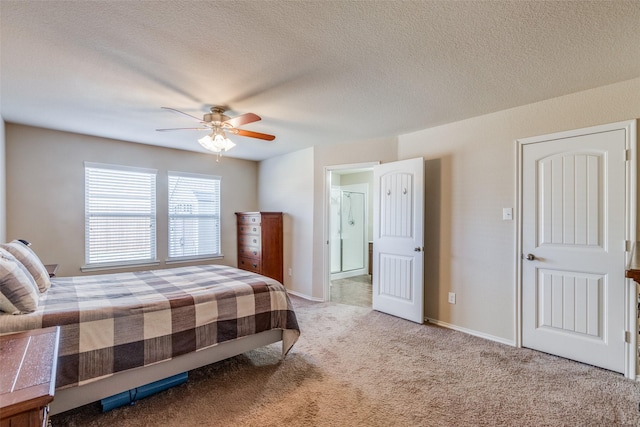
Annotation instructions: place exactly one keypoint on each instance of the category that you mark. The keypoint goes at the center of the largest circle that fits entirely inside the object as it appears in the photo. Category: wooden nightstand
(28, 376)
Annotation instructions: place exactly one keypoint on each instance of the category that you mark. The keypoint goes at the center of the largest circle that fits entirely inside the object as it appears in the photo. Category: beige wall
(3, 180)
(45, 189)
(470, 177)
(286, 184)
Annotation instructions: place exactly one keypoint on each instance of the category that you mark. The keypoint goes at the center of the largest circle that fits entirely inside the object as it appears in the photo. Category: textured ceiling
(318, 72)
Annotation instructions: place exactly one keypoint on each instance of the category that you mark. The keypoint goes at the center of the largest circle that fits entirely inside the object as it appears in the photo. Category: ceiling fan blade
(182, 112)
(163, 130)
(243, 119)
(258, 135)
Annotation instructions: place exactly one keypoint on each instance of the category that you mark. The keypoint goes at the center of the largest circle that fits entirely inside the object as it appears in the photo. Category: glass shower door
(352, 230)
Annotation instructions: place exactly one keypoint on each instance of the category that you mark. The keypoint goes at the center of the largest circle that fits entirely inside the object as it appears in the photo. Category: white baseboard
(307, 297)
(471, 332)
(347, 274)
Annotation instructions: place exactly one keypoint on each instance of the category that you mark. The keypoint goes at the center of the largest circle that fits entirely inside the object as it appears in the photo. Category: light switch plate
(452, 298)
(507, 214)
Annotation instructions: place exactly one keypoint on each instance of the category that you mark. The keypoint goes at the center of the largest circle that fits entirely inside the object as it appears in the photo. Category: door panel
(398, 239)
(396, 205)
(570, 198)
(571, 302)
(573, 218)
(396, 277)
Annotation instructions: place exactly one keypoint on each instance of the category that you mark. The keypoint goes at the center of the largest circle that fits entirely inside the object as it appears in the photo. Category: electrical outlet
(289, 271)
(452, 297)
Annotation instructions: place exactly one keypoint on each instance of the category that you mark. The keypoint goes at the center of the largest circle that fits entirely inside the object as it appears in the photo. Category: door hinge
(627, 155)
(627, 336)
(627, 245)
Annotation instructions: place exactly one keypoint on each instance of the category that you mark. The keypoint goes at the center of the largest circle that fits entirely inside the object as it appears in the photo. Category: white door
(574, 224)
(398, 241)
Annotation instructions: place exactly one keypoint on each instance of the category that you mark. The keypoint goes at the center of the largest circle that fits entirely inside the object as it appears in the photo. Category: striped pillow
(29, 259)
(6, 306)
(19, 290)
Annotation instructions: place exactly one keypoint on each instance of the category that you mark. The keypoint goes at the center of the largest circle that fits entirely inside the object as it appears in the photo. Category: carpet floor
(356, 367)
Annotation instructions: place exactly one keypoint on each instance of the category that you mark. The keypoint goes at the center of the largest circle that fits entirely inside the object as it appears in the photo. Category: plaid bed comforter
(114, 322)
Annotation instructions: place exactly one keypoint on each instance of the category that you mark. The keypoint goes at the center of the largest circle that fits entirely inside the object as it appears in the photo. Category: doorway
(347, 219)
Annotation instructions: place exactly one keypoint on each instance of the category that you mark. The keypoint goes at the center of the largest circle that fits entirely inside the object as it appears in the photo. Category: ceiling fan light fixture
(228, 144)
(207, 142)
(216, 142)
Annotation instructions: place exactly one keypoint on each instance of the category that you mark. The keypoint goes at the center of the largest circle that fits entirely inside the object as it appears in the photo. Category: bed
(120, 331)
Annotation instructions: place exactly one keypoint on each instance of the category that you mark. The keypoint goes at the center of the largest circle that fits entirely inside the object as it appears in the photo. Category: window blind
(120, 215)
(194, 215)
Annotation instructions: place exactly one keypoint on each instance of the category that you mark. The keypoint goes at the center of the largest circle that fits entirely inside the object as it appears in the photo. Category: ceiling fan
(220, 124)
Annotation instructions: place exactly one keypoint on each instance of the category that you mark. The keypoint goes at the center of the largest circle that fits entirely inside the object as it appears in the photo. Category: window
(194, 215)
(120, 215)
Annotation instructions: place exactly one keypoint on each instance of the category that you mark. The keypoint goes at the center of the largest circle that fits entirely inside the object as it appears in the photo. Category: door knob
(531, 257)
(418, 249)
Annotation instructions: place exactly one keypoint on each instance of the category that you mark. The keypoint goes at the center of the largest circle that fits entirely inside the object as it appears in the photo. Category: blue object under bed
(130, 397)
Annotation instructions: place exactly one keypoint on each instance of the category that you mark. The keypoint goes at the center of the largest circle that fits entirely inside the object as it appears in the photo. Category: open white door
(398, 240)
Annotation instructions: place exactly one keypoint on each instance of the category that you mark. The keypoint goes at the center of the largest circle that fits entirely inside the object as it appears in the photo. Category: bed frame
(76, 396)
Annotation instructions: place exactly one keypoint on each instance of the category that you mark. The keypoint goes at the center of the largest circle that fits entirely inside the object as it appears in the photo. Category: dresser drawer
(249, 251)
(249, 264)
(249, 240)
(249, 219)
(249, 229)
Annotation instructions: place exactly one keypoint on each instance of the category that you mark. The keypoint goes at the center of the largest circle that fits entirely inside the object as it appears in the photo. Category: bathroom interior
(350, 225)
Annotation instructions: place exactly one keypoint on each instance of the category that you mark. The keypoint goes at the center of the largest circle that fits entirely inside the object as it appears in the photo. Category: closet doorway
(350, 233)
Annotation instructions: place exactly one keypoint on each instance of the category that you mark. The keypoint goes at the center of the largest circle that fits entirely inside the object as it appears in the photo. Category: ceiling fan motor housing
(216, 116)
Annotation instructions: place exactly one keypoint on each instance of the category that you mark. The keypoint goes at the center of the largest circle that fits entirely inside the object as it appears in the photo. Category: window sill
(193, 259)
(90, 268)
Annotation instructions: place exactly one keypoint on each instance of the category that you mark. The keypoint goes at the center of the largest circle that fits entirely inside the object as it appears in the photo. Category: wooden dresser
(27, 376)
(260, 243)
(633, 268)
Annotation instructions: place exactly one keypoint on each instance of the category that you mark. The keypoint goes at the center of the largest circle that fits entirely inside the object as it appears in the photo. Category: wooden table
(27, 377)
